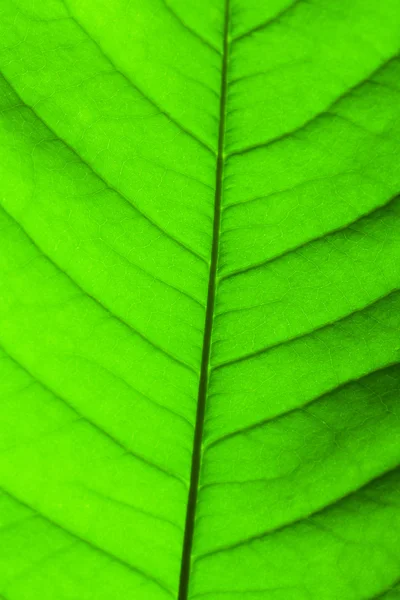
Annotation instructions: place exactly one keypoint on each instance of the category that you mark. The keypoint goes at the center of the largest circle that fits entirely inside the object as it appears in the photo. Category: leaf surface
(200, 306)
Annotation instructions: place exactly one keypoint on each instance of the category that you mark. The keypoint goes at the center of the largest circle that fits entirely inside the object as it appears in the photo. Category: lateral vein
(368, 79)
(299, 408)
(107, 185)
(185, 26)
(386, 205)
(89, 421)
(330, 324)
(88, 543)
(321, 511)
(134, 86)
(94, 299)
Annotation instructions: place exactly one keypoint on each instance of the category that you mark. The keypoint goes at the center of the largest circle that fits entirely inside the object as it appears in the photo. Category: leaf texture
(200, 304)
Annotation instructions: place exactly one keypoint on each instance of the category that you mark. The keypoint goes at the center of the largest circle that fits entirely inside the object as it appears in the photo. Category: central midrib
(205, 360)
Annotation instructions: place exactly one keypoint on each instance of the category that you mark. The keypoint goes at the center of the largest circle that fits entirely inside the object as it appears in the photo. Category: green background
(112, 121)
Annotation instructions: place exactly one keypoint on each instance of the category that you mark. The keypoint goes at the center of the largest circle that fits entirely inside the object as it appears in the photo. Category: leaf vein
(287, 9)
(324, 113)
(100, 177)
(130, 82)
(185, 26)
(90, 544)
(95, 300)
(282, 415)
(98, 428)
(301, 520)
(330, 324)
(386, 205)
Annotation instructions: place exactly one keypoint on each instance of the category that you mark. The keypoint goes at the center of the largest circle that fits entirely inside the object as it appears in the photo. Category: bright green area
(109, 134)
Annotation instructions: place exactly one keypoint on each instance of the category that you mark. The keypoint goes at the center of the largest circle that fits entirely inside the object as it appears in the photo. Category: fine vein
(205, 361)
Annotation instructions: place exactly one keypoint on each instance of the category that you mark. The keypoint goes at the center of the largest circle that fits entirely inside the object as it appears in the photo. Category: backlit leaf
(199, 304)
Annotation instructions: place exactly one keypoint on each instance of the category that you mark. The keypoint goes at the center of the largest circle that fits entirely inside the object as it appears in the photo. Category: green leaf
(200, 306)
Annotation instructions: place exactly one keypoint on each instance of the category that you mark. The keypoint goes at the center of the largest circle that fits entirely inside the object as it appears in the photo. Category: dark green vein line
(94, 299)
(144, 397)
(381, 595)
(205, 361)
(130, 507)
(88, 543)
(279, 68)
(391, 471)
(107, 185)
(185, 26)
(269, 22)
(298, 409)
(199, 83)
(283, 190)
(157, 279)
(243, 593)
(134, 86)
(382, 208)
(267, 349)
(368, 79)
(80, 415)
